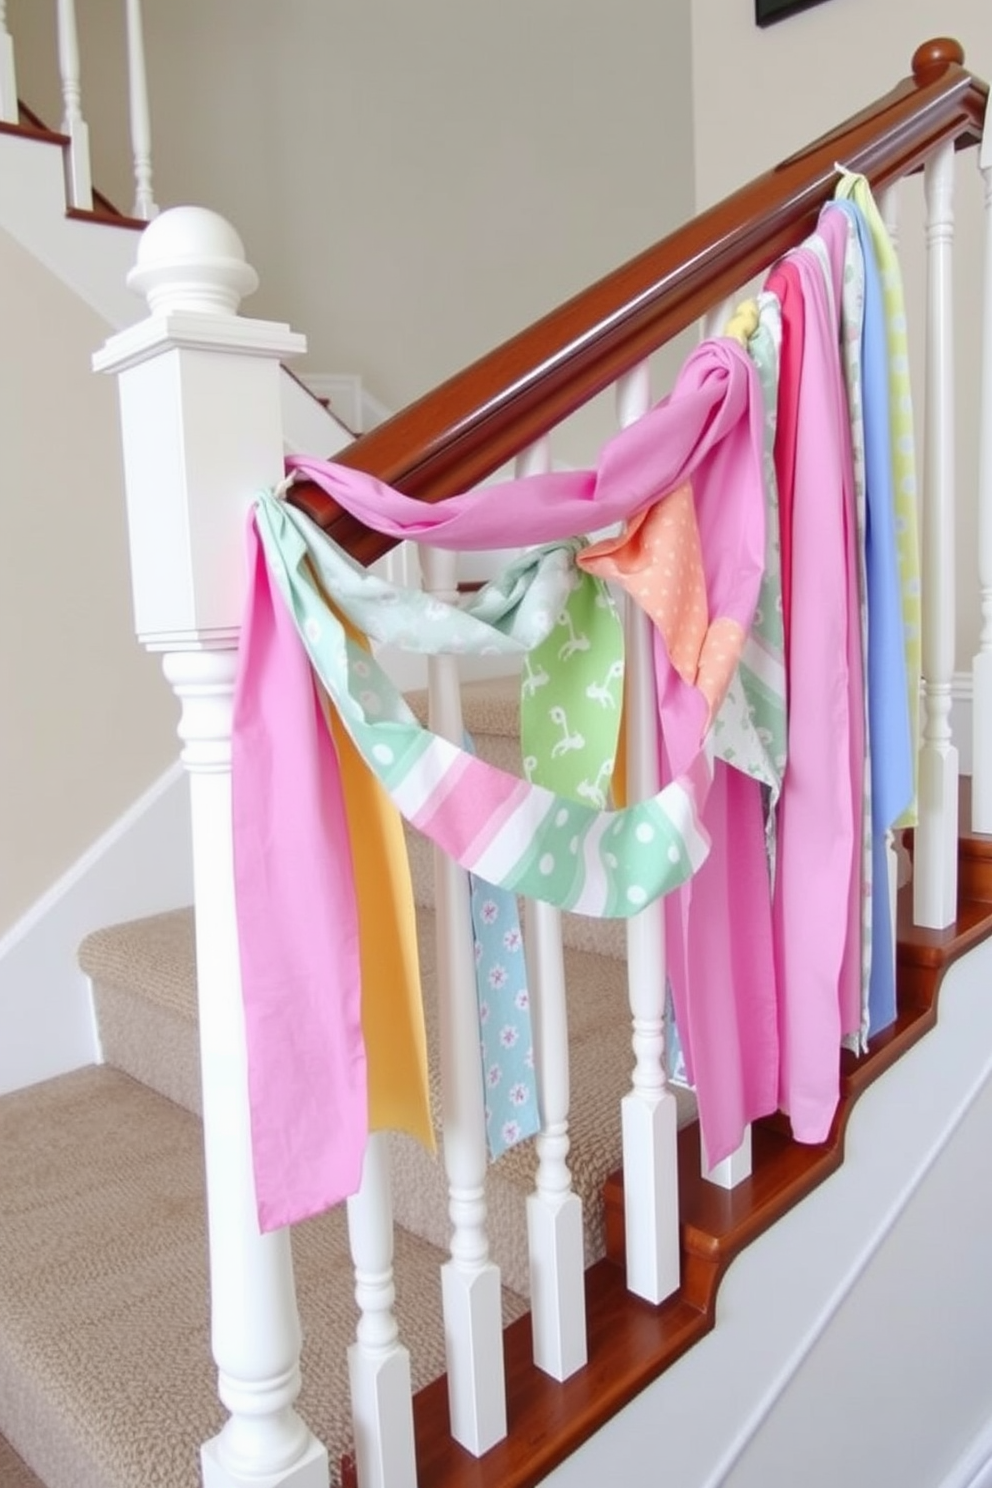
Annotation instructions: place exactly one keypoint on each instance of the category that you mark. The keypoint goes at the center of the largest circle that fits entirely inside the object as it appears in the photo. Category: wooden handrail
(472, 424)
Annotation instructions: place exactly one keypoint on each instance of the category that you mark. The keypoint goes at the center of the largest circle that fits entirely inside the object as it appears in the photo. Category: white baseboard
(141, 865)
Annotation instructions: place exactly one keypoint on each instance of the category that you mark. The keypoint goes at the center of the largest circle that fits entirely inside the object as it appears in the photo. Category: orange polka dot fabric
(658, 560)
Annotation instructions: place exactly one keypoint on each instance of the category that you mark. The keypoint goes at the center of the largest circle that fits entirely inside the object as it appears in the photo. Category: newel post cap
(190, 258)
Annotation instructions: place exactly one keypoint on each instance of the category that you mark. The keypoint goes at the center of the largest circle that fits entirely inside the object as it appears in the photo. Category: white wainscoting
(141, 865)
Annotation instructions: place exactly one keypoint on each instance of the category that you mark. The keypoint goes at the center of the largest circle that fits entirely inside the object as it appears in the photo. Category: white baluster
(78, 183)
(141, 129)
(554, 1212)
(202, 429)
(981, 784)
(8, 78)
(650, 1128)
(378, 1364)
(470, 1281)
(733, 1169)
(935, 868)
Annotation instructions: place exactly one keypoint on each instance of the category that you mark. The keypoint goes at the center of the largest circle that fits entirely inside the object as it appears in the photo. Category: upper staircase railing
(201, 433)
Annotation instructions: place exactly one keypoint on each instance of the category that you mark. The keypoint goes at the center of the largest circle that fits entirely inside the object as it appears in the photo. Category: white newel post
(78, 184)
(981, 783)
(470, 1281)
(200, 411)
(556, 1247)
(649, 1114)
(141, 129)
(8, 78)
(378, 1364)
(935, 866)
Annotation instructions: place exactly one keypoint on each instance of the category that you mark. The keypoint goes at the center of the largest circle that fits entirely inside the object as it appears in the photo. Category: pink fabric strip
(816, 842)
(721, 965)
(832, 228)
(454, 781)
(484, 815)
(708, 419)
(297, 925)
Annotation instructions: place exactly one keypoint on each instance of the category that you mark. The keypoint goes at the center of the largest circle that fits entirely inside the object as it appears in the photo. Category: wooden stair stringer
(631, 1342)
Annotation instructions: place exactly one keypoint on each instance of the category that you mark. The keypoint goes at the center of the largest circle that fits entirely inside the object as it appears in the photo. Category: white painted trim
(141, 865)
(351, 401)
(811, 1336)
(974, 1468)
(770, 1314)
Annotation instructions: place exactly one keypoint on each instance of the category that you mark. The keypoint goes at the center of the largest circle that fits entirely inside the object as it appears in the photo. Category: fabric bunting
(302, 985)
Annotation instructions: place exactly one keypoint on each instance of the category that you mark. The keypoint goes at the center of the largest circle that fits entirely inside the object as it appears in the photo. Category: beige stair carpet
(106, 1379)
(14, 1471)
(144, 978)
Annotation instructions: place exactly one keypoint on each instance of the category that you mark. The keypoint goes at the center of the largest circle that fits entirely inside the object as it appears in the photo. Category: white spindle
(981, 783)
(554, 1211)
(202, 429)
(470, 1281)
(78, 181)
(8, 78)
(141, 129)
(935, 868)
(378, 1364)
(650, 1128)
(733, 1169)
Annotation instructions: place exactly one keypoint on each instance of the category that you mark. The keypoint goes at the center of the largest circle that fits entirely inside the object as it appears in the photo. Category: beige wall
(87, 721)
(761, 94)
(414, 183)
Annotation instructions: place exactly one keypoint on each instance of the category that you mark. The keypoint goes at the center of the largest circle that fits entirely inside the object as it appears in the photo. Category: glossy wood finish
(33, 129)
(475, 422)
(630, 1342)
(103, 209)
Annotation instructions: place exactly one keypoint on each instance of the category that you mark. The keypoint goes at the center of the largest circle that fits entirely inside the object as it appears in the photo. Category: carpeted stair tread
(14, 1471)
(157, 954)
(155, 1041)
(490, 706)
(105, 1374)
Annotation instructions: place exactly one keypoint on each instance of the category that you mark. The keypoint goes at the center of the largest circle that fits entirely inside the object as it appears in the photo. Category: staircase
(106, 1377)
(131, 1268)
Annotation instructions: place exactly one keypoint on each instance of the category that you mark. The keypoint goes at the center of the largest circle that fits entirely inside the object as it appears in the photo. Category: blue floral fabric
(506, 1041)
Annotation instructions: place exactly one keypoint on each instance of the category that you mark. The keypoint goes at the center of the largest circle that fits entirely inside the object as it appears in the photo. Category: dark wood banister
(472, 424)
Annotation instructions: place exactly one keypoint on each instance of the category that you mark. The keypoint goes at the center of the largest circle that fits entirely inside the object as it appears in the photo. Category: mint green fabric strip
(541, 604)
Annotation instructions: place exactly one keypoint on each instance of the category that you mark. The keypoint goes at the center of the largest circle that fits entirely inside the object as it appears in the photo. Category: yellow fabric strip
(903, 452)
(392, 1001)
(744, 322)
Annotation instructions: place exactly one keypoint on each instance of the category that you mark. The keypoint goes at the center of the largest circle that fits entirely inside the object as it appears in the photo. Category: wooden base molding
(630, 1342)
